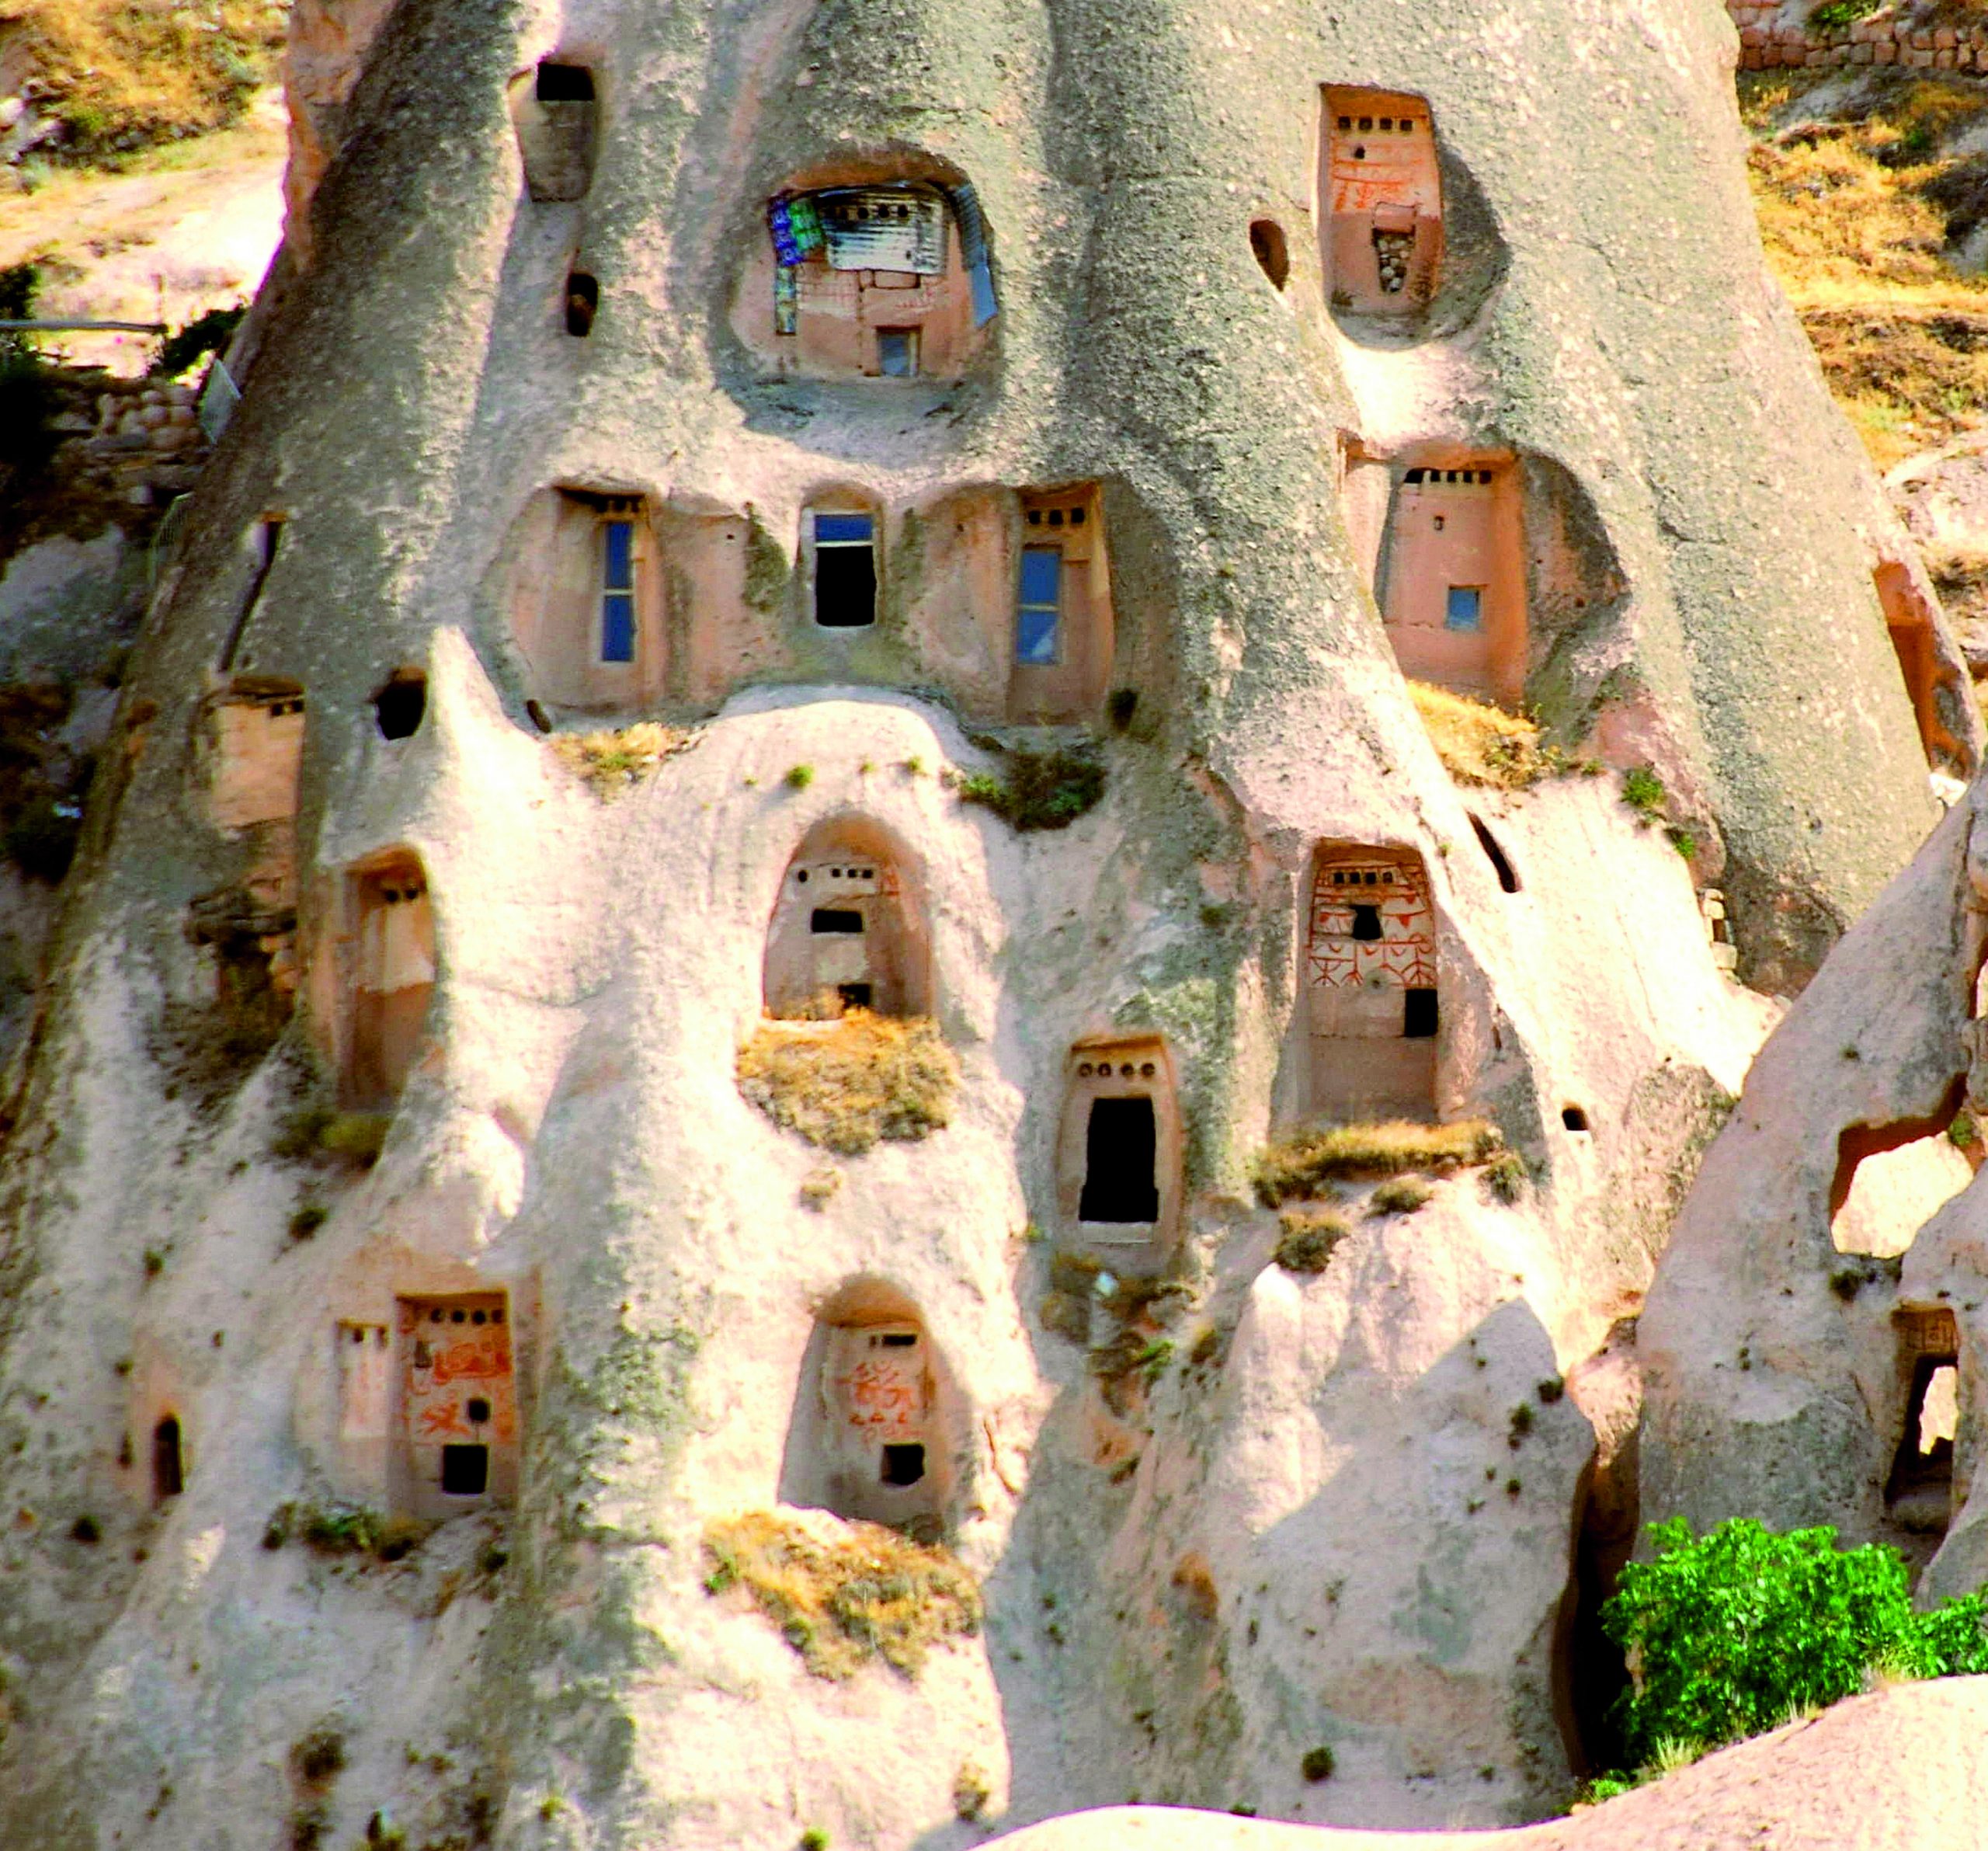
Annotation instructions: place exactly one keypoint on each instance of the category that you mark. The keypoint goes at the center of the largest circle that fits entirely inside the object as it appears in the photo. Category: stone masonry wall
(1770, 38)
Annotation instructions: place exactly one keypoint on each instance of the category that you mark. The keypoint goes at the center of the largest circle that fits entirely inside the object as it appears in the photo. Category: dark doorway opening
(465, 1470)
(835, 919)
(400, 707)
(565, 83)
(845, 571)
(903, 1465)
(583, 300)
(1267, 242)
(856, 995)
(1121, 1142)
(1418, 1015)
(1367, 923)
(168, 1469)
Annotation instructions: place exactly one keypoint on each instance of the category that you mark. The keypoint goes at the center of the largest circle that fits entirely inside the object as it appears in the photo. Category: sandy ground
(192, 228)
(1900, 1770)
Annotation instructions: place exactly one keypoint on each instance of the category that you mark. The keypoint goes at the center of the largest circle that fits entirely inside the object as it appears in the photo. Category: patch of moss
(1036, 790)
(843, 1085)
(1403, 1196)
(842, 1603)
(1301, 1165)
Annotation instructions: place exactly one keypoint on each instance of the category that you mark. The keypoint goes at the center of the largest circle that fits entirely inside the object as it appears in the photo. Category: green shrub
(1318, 1764)
(1402, 1196)
(308, 1219)
(1963, 1132)
(1037, 790)
(1505, 1177)
(1643, 792)
(1733, 1632)
(799, 776)
(1833, 15)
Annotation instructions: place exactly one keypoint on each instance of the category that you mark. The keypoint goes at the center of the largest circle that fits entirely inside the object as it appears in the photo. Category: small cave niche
(168, 1460)
(1451, 576)
(1591, 1673)
(845, 933)
(869, 1436)
(1063, 628)
(388, 963)
(443, 1392)
(555, 116)
(1573, 1117)
(1273, 254)
(1118, 1167)
(1919, 1489)
(1508, 879)
(869, 274)
(1372, 999)
(839, 560)
(582, 303)
(399, 704)
(587, 597)
(251, 738)
(1383, 186)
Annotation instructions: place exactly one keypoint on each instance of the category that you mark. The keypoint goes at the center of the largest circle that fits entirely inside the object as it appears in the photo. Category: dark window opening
(898, 1340)
(903, 1465)
(1573, 1117)
(856, 995)
(476, 1410)
(1121, 1144)
(400, 706)
(845, 571)
(835, 919)
(1273, 255)
(1418, 1015)
(582, 299)
(169, 1472)
(1508, 880)
(565, 83)
(465, 1470)
(1366, 923)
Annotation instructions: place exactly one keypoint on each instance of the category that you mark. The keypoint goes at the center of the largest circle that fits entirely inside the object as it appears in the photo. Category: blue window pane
(847, 529)
(617, 628)
(1042, 576)
(617, 564)
(1035, 639)
(1466, 608)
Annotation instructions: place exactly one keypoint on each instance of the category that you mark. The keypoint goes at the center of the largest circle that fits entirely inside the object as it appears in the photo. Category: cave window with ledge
(457, 1422)
(390, 979)
(868, 1439)
(1918, 1492)
(1452, 577)
(1373, 1015)
(1383, 188)
(586, 600)
(1063, 638)
(1118, 1170)
(845, 933)
(887, 278)
(556, 118)
(840, 565)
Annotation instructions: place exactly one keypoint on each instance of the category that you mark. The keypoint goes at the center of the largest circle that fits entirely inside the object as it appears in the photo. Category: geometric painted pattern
(1360, 889)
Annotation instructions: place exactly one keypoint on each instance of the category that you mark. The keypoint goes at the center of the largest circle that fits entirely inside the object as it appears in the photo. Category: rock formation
(745, 512)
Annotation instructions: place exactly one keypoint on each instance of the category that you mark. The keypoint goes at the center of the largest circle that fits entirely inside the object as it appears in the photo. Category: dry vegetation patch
(615, 760)
(845, 1085)
(1484, 745)
(841, 1602)
(1302, 1165)
(125, 74)
(1307, 1237)
(1860, 217)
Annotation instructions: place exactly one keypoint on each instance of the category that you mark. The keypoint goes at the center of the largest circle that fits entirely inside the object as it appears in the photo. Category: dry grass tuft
(870, 1593)
(125, 74)
(1483, 745)
(1302, 1165)
(617, 760)
(844, 1084)
(1307, 1238)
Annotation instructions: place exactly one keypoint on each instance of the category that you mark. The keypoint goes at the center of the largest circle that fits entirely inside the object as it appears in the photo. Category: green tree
(1730, 1633)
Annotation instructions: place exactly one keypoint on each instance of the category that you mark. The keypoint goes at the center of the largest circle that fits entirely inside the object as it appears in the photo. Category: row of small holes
(1388, 125)
(1102, 1070)
(1482, 476)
